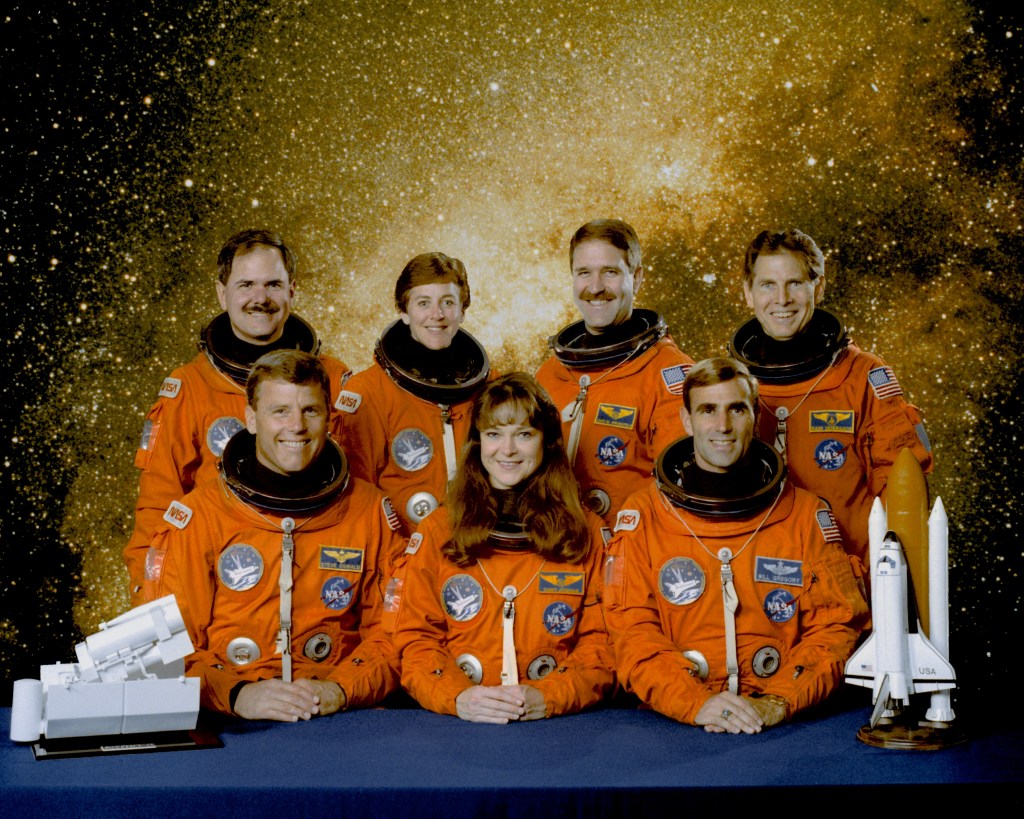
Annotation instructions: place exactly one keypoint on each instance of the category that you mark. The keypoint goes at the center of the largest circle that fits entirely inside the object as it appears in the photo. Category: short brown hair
(613, 231)
(431, 268)
(245, 241)
(292, 366)
(795, 242)
(713, 371)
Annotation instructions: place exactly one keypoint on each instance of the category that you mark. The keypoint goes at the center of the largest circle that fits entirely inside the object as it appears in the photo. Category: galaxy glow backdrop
(137, 137)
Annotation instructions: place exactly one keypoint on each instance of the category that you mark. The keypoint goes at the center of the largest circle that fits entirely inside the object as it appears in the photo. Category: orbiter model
(909, 554)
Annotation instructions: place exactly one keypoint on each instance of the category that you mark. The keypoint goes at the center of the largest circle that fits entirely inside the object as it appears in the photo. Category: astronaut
(404, 418)
(497, 598)
(277, 564)
(836, 414)
(729, 598)
(615, 375)
(201, 404)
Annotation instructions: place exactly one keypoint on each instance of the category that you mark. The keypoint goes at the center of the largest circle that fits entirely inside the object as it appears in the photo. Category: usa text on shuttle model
(909, 555)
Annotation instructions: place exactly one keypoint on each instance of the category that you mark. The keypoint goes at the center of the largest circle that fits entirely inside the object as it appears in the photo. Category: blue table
(414, 763)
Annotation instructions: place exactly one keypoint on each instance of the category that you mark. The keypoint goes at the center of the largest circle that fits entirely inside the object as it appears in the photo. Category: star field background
(135, 140)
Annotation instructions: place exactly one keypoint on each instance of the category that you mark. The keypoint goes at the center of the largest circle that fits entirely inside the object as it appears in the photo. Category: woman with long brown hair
(499, 615)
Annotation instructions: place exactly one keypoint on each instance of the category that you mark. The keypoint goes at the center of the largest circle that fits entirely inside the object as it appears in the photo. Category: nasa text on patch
(627, 520)
(832, 421)
(341, 559)
(170, 388)
(178, 514)
(560, 583)
(779, 570)
(348, 401)
(613, 415)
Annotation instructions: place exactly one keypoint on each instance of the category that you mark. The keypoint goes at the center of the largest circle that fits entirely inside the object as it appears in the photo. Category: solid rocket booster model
(129, 679)
(909, 553)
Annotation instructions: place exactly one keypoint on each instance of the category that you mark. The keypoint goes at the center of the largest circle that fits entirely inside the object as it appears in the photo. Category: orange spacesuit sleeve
(666, 424)
(182, 566)
(888, 425)
(362, 425)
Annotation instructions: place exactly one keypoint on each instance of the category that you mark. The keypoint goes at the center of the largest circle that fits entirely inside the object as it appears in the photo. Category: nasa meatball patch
(611, 451)
(778, 605)
(337, 594)
(559, 618)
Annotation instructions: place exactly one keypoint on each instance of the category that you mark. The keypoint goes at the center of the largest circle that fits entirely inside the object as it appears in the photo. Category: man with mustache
(202, 404)
(616, 376)
(836, 413)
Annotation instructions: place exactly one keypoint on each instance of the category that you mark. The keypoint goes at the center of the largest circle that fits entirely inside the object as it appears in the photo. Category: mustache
(266, 307)
(588, 296)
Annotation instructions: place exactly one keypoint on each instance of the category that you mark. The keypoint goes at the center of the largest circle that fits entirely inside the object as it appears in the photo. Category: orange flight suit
(222, 561)
(663, 596)
(445, 611)
(632, 412)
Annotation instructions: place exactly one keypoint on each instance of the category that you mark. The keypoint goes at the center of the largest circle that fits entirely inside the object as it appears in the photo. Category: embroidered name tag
(778, 570)
(832, 421)
(341, 559)
(612, 415)
(560, 583)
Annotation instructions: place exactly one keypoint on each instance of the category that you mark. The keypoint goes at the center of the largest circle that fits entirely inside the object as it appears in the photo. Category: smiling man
(277, 565)
(201, 405)
(404, 418)
(836, 413)
(615, 375)
(730, 600)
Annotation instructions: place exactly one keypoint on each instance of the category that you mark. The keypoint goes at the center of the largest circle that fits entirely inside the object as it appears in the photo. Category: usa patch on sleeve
(674, 378)
(390, 514)
(829, 527)
(883, 382)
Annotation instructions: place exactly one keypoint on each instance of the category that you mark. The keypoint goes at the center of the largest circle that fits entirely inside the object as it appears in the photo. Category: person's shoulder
(336, 368)
(551, 368)
(666, 350)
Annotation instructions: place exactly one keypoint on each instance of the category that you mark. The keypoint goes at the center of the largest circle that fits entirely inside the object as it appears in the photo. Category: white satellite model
(129, 679)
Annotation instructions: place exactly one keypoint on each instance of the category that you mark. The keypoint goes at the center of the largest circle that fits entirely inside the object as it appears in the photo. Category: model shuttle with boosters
(129, 679)
(909, 554)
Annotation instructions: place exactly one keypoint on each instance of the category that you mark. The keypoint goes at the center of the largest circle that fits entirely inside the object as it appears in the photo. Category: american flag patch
(829, 527)
(391, 515)
(674, 378)
(883, 382)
